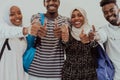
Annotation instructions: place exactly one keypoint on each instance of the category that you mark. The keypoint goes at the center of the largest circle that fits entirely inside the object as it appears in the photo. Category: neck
(51, 15)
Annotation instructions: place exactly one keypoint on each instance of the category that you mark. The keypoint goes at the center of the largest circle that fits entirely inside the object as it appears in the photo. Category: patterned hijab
(86, 27)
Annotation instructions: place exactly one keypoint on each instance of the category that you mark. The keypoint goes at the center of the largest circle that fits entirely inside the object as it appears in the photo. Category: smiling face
(111, 13)
(15, 16)
(77, 19)
(52, 5)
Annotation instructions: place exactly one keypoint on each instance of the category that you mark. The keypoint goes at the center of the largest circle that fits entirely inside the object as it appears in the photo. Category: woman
(80, 63)
(11, 66)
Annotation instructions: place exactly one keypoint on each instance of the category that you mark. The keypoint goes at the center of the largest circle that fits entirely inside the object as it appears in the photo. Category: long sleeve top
(10, 32)
(110, 35)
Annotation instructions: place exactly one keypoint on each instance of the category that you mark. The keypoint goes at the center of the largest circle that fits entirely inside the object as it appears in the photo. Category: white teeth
(17, 20)
(77, 22)
(111, 18)
(52, 7)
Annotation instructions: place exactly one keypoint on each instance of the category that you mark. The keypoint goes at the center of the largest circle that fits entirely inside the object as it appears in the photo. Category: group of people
(64, 46)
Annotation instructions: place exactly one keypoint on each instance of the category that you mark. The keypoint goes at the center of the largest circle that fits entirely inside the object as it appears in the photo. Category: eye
(51, 0)
(73, 16)
(105, 12)
(11, 14)
(47, 0)
(79, 15)
(55, 0)
(111, 10)
(19, 13)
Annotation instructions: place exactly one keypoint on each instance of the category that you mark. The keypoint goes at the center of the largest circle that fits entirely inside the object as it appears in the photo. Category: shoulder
(64, 17)
(35, 15)
(104, 27)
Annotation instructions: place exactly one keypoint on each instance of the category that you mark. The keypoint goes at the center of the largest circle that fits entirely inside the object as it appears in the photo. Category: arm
(10, 32)
(101, 35)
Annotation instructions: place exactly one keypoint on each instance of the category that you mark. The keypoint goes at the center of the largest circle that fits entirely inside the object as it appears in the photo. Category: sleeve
(102, 35)
(35, 18)
(10, 32)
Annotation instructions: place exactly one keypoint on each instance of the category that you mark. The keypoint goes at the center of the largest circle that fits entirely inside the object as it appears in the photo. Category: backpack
(29, 54)
(105, 70)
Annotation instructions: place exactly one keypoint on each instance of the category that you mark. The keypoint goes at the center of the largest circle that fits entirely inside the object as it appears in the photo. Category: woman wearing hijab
(80, 63)
(11, 66)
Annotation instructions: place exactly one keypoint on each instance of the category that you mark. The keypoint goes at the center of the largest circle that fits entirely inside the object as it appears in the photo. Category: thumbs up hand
(65, 33)
(57, 30)
(33, 30)
(43, 30)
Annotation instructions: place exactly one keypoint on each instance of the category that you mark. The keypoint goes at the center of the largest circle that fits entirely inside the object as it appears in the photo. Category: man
(49, 57)
(110, 33)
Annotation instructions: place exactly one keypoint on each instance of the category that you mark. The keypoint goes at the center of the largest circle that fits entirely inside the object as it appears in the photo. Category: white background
(29, 7)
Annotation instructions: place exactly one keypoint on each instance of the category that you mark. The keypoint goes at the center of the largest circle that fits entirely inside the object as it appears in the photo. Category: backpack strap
(42, 18)
(6, 43)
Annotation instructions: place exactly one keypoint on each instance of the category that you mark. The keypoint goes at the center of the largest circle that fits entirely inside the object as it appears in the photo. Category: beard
(52, 13)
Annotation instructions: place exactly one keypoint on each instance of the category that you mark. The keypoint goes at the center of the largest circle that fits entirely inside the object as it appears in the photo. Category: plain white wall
(29, 7)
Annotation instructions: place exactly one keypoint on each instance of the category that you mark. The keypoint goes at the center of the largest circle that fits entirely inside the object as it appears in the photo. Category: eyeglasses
(51, 0)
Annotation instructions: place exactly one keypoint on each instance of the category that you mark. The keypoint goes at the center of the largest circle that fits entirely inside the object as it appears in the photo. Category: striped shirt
(49, 56)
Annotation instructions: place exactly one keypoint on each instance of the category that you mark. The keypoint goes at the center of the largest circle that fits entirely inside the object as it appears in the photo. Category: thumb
(93, 27)
(45, 24)
(56, 23)
(82, 32)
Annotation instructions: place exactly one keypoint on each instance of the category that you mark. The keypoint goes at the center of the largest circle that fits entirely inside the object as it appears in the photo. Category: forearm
(10, 32)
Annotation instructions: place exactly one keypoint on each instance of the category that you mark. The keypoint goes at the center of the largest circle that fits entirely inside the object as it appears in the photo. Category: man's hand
(43, 30)
(34, 29)
(57, 30)
(65, 33)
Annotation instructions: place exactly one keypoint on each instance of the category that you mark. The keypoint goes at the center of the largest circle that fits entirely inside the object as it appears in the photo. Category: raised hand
(92, 33)
(34, 29)
(57, 30)
(65, 33)
(84, 37)
(43, 30)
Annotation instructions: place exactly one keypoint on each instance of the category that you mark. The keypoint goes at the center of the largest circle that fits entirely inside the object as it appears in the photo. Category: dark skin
(111, 13)
(52, 12)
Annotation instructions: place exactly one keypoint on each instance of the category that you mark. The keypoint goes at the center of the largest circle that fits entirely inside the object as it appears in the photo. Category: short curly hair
(104, 2)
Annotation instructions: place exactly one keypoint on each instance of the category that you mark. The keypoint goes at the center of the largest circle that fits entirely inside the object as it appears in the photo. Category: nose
(76, 18)
(51, 2)
(17, 15)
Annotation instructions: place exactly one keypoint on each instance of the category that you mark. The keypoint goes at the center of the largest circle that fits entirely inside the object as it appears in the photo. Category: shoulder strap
(2, 50)
(42, 18)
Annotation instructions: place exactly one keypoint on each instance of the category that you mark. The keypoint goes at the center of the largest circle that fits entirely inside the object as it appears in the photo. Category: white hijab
(6, 13)
(86, 27)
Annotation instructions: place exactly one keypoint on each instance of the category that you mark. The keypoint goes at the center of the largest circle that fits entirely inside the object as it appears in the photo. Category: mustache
(113, 15)
(51, 5)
